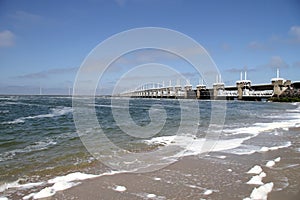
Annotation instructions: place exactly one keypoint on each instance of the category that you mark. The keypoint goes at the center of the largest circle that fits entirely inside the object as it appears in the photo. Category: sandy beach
(216, 176)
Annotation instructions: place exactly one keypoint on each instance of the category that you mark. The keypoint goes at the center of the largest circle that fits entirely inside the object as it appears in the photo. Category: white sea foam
(120, 188)
(60, 183)
(261, 193)
(46, 192)
(194, 146)
(65, 182)
(4, 111)
(293, 119)
(29, 196)
(221, 157)
(255, 170)
(6, 186)
(264, 149)
(16, 121)
(5, 98)
(16, 184)
(76, 176)
(257, 179)
(151, 195)
(3, 198)
(258, 128)
(262, 174)
(277, 159)
(208, 192)
(270, 163)
(55, 112)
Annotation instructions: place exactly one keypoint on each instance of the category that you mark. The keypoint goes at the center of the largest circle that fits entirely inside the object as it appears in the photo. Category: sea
(43, 152)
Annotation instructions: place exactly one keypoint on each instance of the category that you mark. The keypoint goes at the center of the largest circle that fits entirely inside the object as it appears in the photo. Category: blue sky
(43, 43)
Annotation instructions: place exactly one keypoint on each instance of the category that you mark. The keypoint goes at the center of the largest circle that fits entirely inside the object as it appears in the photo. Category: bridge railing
(261, 93)
(228, 93)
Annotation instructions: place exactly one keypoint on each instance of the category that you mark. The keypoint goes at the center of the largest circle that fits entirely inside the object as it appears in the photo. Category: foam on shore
(208, 192)
(57, 184)
(151, 195)
(262, 192)
(257, 179)
(264, 149)
(16, 184)
(255, 170)
(60, 183)
(120, 188)
(271, 163)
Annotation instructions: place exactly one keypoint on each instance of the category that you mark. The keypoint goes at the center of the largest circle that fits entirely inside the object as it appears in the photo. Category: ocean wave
(257, 128)
(5, 98)
(15, 103)
(297, 109)
(264, 149)
(250, 149)
(195, 146)
(16, 121)
(4, 111)
(37, 146)
(54, 112)
(284, 120)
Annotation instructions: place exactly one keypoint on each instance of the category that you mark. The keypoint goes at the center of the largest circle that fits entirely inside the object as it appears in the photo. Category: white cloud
(45, 74)
(121, 3)
(226, 47)
(240, 69)
(277, 62)
(7, 38)
(23, 16)
(255, 45)
(296, 64)
(295, 32)
(293, 37)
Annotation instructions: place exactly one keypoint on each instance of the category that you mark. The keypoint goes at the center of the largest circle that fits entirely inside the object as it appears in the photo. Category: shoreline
(218, 176)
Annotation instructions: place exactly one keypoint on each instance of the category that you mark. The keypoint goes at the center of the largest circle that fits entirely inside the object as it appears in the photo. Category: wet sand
(212, 177)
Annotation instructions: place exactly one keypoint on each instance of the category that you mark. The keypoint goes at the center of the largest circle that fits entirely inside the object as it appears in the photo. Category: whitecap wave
(54, 112)
(4, 111)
